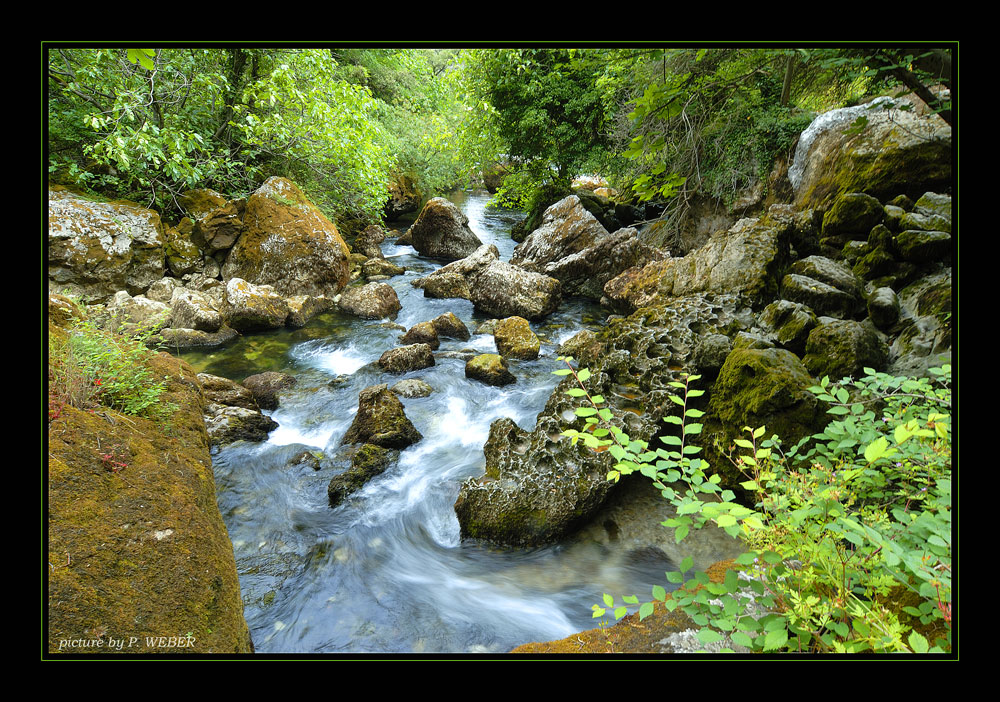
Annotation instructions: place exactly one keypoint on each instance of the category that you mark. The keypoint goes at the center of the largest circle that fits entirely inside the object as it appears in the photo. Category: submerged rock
(369, 461)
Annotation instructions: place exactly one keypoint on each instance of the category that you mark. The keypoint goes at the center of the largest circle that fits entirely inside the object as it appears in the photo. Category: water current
(386, 571)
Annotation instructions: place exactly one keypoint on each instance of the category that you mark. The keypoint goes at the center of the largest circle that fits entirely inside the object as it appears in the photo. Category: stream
(386, 571)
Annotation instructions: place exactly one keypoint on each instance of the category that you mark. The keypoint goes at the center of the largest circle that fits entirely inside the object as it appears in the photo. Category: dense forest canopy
(659, 123)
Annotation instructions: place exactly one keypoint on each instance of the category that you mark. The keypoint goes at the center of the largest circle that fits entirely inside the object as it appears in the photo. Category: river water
(385, 572)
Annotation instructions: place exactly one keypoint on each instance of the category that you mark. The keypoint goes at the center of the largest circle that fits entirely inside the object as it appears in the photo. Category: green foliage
(90, 367)
(849, 541)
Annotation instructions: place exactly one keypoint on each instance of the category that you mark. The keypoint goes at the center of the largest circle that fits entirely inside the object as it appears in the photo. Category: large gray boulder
(371, 301)
(442, 231)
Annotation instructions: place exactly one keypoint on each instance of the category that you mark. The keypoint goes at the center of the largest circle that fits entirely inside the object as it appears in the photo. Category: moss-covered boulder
(407, 358)
(840, 348)
(923, 335)
(289, 244)
(852, 215)
(758, 388)
(96, 248)
(381, 421)
(917, 246)
(515, 339)
(422, 333)
(139, 559)
(267, 386)
(790, 323)
(899, 150)
(489, 368)
(824, 285)
(449, 325)
(249, 308)
(369, 461)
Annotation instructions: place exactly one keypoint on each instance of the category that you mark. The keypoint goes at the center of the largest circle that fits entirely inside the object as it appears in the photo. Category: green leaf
(709, 636)
(776, 639)
(659, 593)
(917, 642)
(687, 564)
(583, 374)
(609, 600)
(645, 609)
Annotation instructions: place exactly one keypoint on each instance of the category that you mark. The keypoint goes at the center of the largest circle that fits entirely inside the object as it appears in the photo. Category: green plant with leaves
(849, 540)
(91, 367)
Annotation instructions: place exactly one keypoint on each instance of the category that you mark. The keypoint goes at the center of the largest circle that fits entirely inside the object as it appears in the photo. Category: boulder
(216, 222)
(744, 261)
(422, 333)
(248, 307)
(406, 358)
(289, 244)
(442, 231)
(840, 348)
(917, 246)
(302, 308)
(789, 323)
(182, 255)
(380, 267)
(403, 197)
(449, 325)
(97, 248)
(265, 387)
(883, 308)
(489, 368)
(567, 228)
(193, 310)
(228, 425)
(412, 387)
(369, 241)
(371, 301)
(852, 215)
(495, 287)
(192, 338)
(515, 339)
(896, 151)
(138, 312)
(824, 285)
(923, 334)
(381, 421)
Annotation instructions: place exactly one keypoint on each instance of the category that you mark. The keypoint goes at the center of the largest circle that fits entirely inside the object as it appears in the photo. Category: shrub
(849, 540)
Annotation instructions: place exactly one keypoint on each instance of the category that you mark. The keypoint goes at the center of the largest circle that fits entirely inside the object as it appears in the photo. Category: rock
(192, 310)
(143, 553)
(403, 197)
(897, 151)
(422, 333)
(852, 215)
(248, 307)
(710, 353)
(217, 223)
(442, 231)
(924, 331)
(182, 255)
(489, 368)
(302, 308)
(584, 346)
(289, 244)
(369, 241)
(504, 290)
(406, 358)
(790, 323)
(307, 458)
(381, 421)
(917, 246)
(823, 285)
(266, 386)
(755, 388)
(369, 461)
(191, 338)
(494, 287)
(222, 391)
(380, 267)
(371, 301)
(139, 311)
(515, 339)
(745, 260)
(228, 425)
(840, 348)
(163, 289)
(567, 228)
(97, 248)
(412, 387)
(883, 308)
(449, 325)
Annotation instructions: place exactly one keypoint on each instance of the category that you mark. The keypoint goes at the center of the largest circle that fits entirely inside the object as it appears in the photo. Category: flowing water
(386, 571)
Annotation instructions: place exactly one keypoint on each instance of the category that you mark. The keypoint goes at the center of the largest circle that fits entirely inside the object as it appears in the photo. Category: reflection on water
(386, 571)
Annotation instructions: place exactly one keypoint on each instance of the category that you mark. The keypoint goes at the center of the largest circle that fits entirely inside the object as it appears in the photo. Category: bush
(849, 541)
(91, 367)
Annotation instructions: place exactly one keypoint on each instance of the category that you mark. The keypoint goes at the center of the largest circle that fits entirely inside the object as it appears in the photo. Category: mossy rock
(142, 552)
(381, 421)
(852, 214)
(369, 461)
(515, 339)
(489, 368)
(841, 348)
